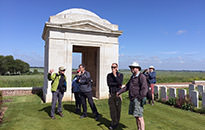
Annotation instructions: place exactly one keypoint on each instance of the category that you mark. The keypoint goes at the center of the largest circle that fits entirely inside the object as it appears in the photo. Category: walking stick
(71, 99)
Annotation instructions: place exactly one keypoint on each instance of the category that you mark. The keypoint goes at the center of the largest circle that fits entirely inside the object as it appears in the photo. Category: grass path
(28, 113)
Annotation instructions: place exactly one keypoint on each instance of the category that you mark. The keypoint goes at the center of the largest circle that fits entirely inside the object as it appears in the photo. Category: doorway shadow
(102, 121)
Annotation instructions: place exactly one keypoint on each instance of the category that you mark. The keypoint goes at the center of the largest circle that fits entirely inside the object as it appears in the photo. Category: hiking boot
(83, 116)
(97, 117)
(53, 117)
(77, 111)
(111, 128)
(60, 114)
(152, 102)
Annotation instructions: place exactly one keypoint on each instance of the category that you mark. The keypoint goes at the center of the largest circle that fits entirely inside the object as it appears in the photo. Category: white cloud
(168, 63)
(180, 32)
(191, 53)
(169, 52)
(32, 58)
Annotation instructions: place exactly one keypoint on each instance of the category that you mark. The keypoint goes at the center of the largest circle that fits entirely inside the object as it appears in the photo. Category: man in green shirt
(58, 87)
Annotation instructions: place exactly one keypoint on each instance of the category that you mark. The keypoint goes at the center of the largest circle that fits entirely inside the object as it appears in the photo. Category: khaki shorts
(135, 108)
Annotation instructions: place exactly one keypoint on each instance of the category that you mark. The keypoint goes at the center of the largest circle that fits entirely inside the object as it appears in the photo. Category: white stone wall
(80, 28)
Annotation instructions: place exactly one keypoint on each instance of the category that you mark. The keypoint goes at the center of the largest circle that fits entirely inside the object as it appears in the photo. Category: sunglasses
(113, 67)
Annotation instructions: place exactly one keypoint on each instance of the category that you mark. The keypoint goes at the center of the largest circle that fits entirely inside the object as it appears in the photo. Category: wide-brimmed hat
(62, 68)
(135, 65)
(151, 67)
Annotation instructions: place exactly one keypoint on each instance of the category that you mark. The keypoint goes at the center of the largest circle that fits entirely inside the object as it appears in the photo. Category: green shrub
(199, 110)
(184, 103)
(35, 71)
(200, 97)
(156, 95)
(171, 102)
(187, 106)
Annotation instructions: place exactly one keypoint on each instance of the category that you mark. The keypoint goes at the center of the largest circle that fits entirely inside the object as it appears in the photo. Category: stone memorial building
(81, 31)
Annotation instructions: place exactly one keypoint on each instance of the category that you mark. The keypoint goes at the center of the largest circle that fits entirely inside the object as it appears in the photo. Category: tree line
(10, 66)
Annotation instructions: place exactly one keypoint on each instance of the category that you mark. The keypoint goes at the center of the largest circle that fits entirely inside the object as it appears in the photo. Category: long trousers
(115, 108)
(89, 96)
(77, 100)
(57, 95)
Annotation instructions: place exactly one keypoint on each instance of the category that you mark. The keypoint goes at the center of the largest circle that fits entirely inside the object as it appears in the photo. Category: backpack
(149, 92)
(64, 86)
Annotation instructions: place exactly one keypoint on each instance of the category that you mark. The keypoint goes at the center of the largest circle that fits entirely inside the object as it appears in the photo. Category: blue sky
(169, 34)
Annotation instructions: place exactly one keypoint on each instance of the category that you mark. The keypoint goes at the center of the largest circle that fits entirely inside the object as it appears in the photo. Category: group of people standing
(139, 86)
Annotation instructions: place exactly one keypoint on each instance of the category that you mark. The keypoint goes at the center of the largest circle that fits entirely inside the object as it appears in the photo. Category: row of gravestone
(161, 93)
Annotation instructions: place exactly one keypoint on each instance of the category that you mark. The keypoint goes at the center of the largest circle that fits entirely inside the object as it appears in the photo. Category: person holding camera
(137, 87)
(58, 87)
(86, 92)
(152, 80)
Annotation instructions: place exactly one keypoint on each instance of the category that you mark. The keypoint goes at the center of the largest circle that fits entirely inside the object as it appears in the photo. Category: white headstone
(172, 93)
(195, 98)
(163, 93)
(201, 88)
(182, 93)
(191, 88)
(203, 100)
(156, 91)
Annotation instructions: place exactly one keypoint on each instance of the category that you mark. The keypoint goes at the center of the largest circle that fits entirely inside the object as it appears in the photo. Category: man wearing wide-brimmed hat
(152, 80)
(137, 87)
(58, 87)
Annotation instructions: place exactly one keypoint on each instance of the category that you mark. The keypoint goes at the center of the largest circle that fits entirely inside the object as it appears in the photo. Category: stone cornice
(104, 31)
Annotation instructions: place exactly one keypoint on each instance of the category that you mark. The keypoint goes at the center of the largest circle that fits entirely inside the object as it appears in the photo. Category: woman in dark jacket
(76, 91)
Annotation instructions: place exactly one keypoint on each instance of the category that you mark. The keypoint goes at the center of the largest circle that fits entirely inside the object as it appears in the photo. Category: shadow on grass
(102, 120)
(39, 93)
(46, 109)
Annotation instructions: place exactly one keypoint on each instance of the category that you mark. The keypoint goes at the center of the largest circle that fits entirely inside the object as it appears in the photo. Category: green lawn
(28, 113)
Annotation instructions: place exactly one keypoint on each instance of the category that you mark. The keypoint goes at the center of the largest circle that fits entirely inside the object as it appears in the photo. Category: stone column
(108, 55)
(58, 53)
(172, 92)
(195, 98)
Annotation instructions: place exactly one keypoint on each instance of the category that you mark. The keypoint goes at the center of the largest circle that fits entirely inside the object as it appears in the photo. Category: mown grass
(27, 112)
(162, 77)
(22, 81)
